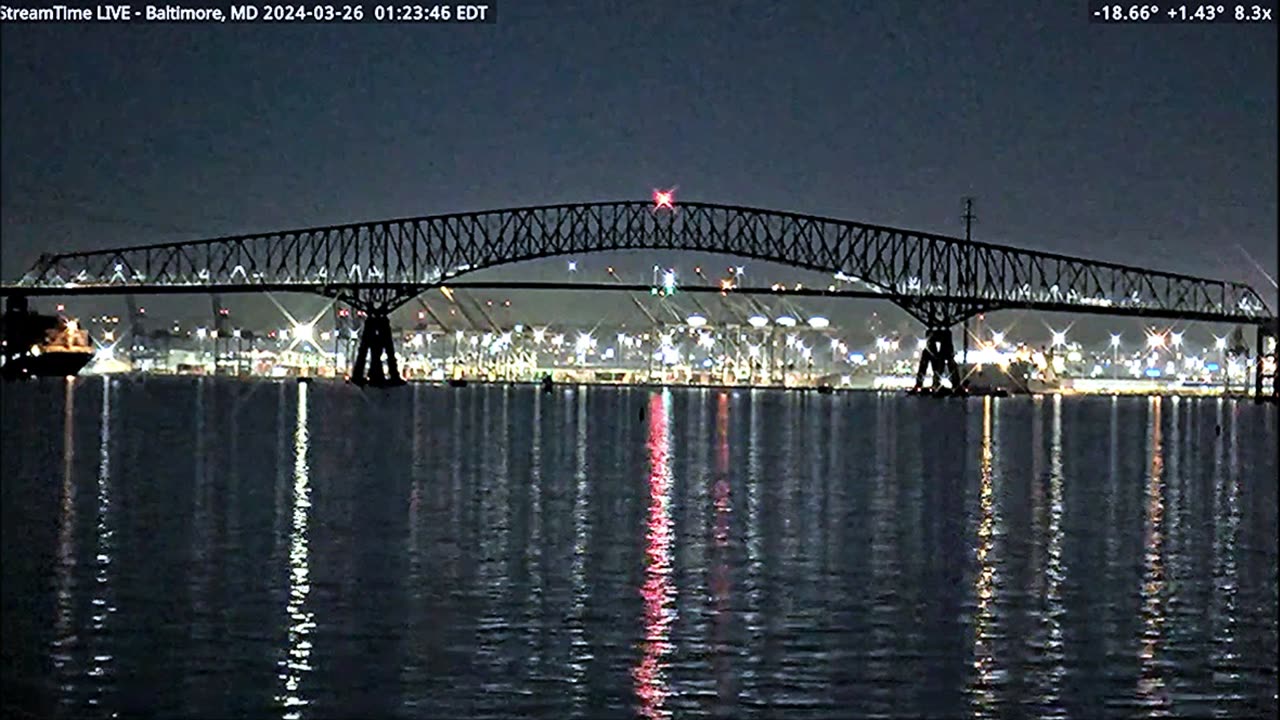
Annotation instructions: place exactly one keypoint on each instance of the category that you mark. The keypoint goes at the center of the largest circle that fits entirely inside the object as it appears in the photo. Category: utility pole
(968, 218)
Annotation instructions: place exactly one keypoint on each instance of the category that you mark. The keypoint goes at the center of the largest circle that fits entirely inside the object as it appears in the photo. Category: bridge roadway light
(1059, 338)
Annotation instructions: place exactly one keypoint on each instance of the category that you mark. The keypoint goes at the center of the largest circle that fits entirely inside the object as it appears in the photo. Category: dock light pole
(1115, 355)
(1220, 343)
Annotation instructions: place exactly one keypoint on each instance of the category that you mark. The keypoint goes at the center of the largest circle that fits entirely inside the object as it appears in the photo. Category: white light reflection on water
(579, 648)
(1225, 658)
(1212, 654)
(987, 673)
(534, 599)
(297, 664)
(496, 623)
(658, 592)
(1151, 684)
(64, 640)
(755, 537)
(752, 676)
(1055, 651)
(103, 606)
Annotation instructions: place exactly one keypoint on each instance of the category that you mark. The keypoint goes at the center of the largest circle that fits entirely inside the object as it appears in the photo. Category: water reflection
(297, 663)
(658, 591)
(201, 559)
(1225, 658)
(987, 670)
(883, 561)
(1151, 685)
(721, 584)
(882, 571)
(1053, 654)
(535, 600)
(64, 639)
(580, 648)
(103, 604)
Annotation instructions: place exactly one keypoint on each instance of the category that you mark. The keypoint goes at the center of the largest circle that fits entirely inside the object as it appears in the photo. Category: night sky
(1151, 145)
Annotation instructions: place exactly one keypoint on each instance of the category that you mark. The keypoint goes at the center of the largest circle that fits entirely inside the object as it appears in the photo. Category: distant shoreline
(1200, 392)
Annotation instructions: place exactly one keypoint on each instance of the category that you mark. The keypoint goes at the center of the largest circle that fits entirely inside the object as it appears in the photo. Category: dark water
(185, 548)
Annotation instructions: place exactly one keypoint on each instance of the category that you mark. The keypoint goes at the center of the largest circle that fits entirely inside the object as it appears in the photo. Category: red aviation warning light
(664, 199)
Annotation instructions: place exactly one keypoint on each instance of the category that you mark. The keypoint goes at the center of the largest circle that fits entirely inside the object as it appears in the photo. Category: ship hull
(988, 379)
(48, 364)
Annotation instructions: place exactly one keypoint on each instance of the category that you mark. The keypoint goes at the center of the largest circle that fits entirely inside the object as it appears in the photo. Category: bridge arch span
(939, 279)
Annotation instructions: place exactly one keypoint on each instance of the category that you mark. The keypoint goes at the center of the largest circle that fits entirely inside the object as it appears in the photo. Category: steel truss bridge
(379, 266)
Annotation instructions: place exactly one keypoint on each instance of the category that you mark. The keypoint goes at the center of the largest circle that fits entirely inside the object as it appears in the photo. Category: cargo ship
(35, 345)
(1017, 378)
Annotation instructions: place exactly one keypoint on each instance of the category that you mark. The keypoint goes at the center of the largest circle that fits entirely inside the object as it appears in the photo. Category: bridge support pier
(376, 345)
(375, 359)
(938, 355)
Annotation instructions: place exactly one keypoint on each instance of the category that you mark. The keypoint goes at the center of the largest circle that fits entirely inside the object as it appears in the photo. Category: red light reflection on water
(720, 580)
(658, 593)
(720, 491)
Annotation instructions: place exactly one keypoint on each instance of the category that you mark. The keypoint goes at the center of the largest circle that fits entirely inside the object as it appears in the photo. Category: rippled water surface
(208, 548)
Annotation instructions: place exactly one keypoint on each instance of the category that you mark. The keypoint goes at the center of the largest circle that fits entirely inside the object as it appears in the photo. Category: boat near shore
(36, 345)
(1016, 378)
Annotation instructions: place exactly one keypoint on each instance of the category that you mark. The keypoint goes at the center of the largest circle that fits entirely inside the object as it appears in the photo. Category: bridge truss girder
(914, 269)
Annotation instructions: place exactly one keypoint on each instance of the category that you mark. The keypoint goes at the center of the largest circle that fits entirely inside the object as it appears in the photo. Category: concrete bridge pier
(376, 347)
(938, 356)
(375, 360)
